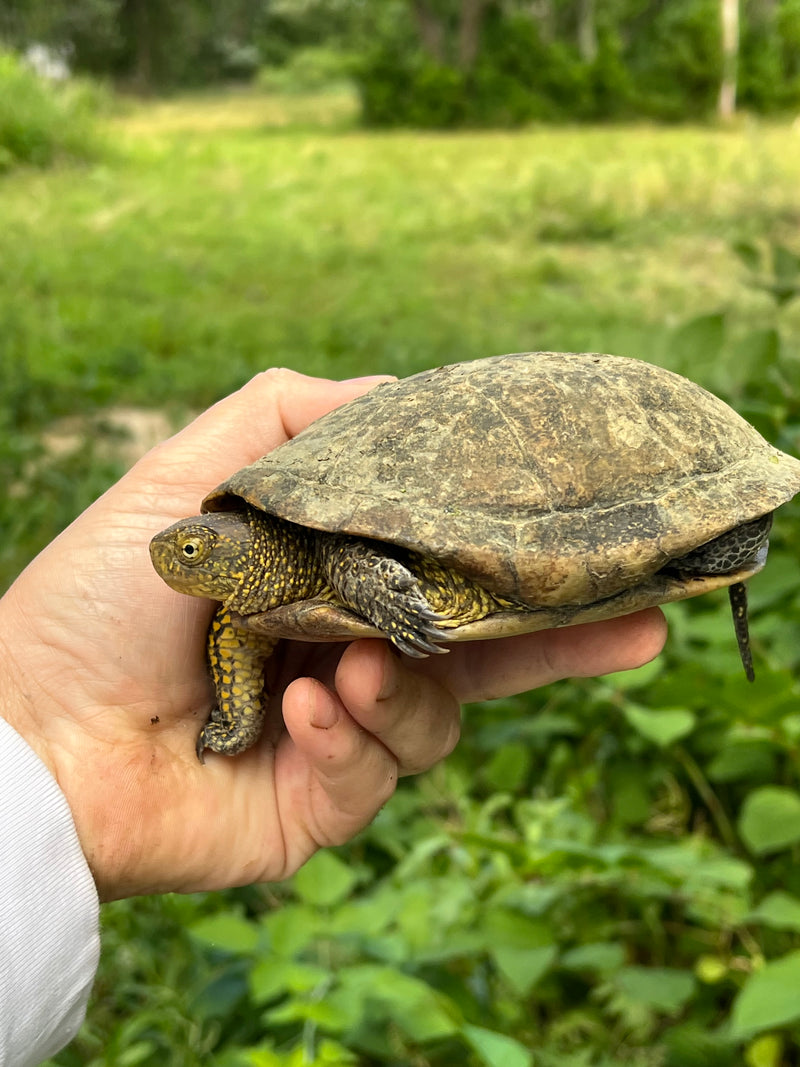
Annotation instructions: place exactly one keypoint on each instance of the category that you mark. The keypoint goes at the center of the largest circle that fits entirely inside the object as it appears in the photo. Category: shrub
(41, 123)
(307, 70)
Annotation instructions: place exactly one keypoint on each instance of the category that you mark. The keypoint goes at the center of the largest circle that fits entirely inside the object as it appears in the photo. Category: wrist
(18, 683)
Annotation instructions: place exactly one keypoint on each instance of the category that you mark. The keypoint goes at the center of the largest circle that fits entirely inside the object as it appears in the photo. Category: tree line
(451, 63)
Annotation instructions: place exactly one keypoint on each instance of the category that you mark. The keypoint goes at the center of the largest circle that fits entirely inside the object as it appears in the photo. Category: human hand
(103, 673)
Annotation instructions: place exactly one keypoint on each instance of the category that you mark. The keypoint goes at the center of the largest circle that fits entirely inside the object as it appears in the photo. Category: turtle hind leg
(742, 546)
(738, 597)
(236, 658)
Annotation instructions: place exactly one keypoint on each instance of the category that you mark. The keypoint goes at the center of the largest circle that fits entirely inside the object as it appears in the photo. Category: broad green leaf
(531, 898)
(230, 933)
(418, 1009)
(506, 926)
(779, 910)
(292, 928)
(698, 343)
(496, 1050)
(324, 879)
(697, 863)
(770, 999)
(273, 975)
(713, 907)
(508, 767)
(743, 761)
(693, 1044)
(424, 1020)
(523, 967)
(754, 354)
(321, 1011)
(629, 795)
(663, 988)
(770, 819)
(748, 253)
(600, 956)
(663, 726)
(785, 263)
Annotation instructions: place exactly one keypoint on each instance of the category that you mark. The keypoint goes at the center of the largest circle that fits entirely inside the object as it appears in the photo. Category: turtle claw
(418, 645)
(411, 625)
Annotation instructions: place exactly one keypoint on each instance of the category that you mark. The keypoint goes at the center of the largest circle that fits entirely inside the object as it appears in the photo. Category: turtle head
(205, 556)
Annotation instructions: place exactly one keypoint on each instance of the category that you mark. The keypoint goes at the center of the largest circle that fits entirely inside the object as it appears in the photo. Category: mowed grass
(224, 235)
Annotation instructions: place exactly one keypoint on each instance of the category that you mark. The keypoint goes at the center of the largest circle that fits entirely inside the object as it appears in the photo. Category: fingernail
(324, 709)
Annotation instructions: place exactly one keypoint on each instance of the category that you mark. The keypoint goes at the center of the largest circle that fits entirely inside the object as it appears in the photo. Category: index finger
(486, 670)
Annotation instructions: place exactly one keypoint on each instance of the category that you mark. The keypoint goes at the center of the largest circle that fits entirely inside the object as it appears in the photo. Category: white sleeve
(49, 913)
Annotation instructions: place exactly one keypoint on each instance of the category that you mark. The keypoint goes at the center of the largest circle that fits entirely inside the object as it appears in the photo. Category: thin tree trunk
(587, 31)
(430, 29)
(136, 18)
(541, 11)
(729, 12)
(469, 32)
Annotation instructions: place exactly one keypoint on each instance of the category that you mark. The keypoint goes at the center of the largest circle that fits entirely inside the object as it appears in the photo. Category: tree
(450, 30)
(729, 13)
(587, 30)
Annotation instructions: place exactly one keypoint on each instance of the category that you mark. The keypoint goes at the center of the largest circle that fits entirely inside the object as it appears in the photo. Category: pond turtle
(474, 501)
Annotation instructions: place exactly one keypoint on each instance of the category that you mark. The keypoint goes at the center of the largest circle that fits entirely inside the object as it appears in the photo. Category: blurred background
(605, 873)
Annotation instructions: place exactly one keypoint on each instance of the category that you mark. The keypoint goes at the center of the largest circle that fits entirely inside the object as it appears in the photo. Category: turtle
(473, 501)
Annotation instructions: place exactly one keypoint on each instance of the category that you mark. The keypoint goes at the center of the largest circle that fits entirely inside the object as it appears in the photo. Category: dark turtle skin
(474, 501)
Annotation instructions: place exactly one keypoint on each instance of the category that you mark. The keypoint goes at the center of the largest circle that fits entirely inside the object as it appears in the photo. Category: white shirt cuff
(49, 911)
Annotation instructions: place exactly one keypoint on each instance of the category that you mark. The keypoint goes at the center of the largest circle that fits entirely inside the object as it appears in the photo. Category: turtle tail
(738, 596)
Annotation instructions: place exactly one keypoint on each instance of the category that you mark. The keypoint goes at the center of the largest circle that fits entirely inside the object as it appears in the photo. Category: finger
(414, 716)
(484, 670)
(341, 774)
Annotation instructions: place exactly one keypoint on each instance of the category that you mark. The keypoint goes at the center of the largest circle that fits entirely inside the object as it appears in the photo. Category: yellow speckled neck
(281, 566)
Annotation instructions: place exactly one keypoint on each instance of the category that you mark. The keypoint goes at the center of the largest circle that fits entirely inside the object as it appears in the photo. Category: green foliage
(605, 872)
(661, 61)
(307, 70)
(770, 67)
(41, 123)
(526, 63)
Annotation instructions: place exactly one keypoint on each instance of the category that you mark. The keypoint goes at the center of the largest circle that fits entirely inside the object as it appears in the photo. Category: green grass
(579, 878)
(225, 242)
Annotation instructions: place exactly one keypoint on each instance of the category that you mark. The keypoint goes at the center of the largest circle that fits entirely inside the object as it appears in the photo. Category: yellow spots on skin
(236, 658)
(283, 563)
(454, 597)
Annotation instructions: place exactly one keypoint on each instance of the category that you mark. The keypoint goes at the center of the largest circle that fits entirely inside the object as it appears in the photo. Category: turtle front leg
(382, 590)
(236, 657)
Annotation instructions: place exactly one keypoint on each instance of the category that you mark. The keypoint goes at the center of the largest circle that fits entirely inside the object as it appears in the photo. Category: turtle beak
(178, 554)
(165, 562)
(201, 556)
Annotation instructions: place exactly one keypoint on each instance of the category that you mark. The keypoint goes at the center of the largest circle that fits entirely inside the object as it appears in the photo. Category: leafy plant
(40, 123)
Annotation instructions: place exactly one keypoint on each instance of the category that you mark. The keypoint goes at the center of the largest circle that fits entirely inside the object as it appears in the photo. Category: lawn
(586, 886)
(219, 240)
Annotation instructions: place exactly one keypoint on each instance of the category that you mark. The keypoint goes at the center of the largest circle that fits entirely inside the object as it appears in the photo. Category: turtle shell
(558, 479)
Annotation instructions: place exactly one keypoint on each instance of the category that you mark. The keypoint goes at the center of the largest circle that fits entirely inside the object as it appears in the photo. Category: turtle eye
(192, 550)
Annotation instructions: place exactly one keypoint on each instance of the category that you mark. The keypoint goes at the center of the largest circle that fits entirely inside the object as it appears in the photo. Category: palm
(108, 667)
(128, 675)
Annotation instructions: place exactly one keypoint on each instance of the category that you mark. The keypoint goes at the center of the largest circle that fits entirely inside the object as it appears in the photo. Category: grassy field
(229, 235)
(584, 882)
